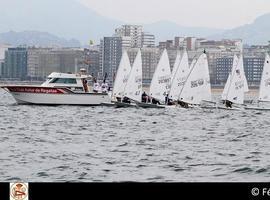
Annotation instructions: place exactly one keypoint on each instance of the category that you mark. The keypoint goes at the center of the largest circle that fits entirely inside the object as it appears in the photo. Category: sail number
(164, 79)
(197, 83)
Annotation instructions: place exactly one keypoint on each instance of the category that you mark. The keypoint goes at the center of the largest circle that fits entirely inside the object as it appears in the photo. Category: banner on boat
(36, 90)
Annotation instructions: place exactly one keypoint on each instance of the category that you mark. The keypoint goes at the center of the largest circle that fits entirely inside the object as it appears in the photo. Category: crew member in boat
(104, 87)
(118, 99)
(228, 104)
(144, 97)
(166, 98)
(168, 101)
(85, 86)
(126, 100)
(96, 86)
(182, 103)
(155, 101)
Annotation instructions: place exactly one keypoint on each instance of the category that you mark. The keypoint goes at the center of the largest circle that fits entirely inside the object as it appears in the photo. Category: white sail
(236, 87)
(197, 86)
(180, 77)
(228, 82)
(241, 68)
(133, 89)
(244, 75)
(121, 76)
(226, 88)
(264, 94)
(235, 62)
(176, 64)
(161, 81)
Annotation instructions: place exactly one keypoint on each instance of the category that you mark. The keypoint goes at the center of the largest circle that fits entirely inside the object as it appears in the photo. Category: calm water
(85, 144)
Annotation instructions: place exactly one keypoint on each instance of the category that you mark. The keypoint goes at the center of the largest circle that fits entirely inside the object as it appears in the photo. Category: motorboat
(59, 89)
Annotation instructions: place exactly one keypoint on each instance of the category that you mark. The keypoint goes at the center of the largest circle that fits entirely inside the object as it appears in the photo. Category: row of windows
(64, 80)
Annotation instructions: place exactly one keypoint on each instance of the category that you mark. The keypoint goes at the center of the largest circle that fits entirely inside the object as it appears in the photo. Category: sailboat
(264, 92)
(133, 88)
(227, 84)
(160, 84)
(235, 86)
(197, 86)
(120, 80)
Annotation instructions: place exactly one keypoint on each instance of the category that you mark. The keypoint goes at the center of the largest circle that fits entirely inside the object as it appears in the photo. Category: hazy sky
(207, 13)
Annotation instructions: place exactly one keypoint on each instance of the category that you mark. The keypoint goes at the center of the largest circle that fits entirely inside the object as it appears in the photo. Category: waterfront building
(180, 42)
(1, 68)
(135, 32)
(3, 48)
(92, 61)
(15, 66)
(43, 61)
(148, 40)
(110, 56)
(35, 69)
(253, 66)
(191, 43)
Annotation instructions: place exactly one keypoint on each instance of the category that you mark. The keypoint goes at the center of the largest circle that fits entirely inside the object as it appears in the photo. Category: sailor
(170, 102)
(154, 101)
(104, 87)
(144, 97)
(228, 104)
(182, 103)
(118, 99)
(85, 86)
(126, 100)
(96, 87)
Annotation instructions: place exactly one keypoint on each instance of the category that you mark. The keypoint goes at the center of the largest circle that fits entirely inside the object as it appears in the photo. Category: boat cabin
(75, 82)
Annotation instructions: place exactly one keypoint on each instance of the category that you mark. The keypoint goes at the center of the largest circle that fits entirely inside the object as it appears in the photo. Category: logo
(18, 191)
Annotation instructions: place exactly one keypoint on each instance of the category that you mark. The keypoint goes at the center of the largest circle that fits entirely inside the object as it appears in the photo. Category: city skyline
(222, 14)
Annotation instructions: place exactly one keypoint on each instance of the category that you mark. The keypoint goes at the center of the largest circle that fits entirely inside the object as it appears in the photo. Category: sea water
(88, 144)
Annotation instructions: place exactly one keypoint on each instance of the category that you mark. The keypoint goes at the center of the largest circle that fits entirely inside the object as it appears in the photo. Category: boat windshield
(64, 80)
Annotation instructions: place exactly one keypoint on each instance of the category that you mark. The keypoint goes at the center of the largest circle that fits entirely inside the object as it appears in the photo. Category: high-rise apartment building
(253, 66)
(15, 66)
(135, 33)
(110, 56)
(43, 61)
(191, 43)
(148, 40)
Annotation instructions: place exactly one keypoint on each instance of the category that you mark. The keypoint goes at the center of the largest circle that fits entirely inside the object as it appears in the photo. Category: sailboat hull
(257, 108)
(149, 105)
(124, 105)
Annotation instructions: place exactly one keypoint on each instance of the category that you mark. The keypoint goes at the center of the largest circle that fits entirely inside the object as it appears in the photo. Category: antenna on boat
(76, 65)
